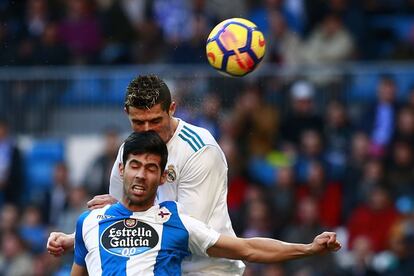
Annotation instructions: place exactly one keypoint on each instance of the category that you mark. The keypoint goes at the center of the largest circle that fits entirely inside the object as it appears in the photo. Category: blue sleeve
(80, 249)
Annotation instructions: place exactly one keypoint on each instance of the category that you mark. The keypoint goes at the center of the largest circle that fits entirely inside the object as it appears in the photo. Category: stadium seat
(40, 161)
(117, 90)
(85, 92)
(362, 87)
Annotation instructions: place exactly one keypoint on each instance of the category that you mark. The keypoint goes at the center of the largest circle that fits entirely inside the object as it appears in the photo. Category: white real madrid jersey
(115, 241)
(197, 179)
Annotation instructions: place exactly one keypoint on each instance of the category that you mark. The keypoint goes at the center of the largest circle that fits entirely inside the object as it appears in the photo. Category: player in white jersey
(136, 237)
(197, 171)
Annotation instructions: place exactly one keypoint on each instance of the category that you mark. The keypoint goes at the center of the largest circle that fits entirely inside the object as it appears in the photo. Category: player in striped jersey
(136, 237)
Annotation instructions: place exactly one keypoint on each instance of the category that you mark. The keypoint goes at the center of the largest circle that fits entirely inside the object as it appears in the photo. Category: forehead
(144, 158)
(146, 114)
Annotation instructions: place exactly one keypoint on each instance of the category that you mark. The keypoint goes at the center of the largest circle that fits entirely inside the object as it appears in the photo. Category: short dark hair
(145, 91)
(145, 142)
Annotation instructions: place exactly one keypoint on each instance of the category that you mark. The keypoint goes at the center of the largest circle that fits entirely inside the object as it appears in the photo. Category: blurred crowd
(60, 32)
(297, 165)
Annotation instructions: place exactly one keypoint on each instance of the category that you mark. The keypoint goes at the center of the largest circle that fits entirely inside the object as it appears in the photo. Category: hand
(325, 242)
(100, 201)
(59, 243)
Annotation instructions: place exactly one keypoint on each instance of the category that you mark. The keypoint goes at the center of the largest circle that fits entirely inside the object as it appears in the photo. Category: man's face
(141, 177)
(154, 119)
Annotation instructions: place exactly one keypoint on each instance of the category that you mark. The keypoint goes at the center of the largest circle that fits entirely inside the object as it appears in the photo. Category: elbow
(248, 254)
(250, 257)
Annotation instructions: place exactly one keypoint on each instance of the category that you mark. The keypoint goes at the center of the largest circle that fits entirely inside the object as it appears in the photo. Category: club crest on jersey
(128, 237)
(163, 215)
(130, 222)
(171, 174)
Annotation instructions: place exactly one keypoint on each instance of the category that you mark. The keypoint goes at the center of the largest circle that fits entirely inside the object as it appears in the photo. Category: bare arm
(78, 270)
(263, 250)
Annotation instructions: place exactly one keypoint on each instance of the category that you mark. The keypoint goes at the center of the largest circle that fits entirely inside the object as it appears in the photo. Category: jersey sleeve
(80, 248)
(201, 236)
(115, 184)
(204, 183)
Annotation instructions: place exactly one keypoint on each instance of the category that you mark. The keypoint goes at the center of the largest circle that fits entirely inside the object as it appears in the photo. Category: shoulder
(195, 137)
(92, 217)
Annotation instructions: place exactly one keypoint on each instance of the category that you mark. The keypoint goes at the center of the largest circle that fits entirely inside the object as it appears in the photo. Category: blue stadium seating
(40, 161)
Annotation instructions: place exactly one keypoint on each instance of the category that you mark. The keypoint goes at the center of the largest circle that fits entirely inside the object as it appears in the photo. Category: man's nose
(140, 174)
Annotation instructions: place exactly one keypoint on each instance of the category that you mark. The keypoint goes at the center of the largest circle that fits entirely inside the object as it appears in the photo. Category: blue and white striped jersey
(115, 241)
(197, 179)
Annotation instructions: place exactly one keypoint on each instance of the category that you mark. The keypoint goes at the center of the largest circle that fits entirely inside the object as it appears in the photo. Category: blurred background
(320, 137)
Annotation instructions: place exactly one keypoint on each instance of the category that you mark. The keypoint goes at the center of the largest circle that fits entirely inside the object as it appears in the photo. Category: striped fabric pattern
(192, 138)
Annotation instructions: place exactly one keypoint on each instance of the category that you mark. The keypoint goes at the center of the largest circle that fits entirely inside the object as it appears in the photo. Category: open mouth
(138, 189)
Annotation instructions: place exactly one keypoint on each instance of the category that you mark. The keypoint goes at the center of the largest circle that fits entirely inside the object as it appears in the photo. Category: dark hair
(145, 142)
(145, 91)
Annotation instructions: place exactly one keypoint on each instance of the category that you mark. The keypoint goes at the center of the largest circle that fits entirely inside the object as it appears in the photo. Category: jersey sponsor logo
(171, 174)
(129, 237)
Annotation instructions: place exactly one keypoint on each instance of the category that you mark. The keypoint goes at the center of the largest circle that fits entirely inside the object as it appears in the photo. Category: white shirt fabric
(197, 179)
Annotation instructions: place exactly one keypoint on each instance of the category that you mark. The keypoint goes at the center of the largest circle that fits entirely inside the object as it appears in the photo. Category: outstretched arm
(263, 250)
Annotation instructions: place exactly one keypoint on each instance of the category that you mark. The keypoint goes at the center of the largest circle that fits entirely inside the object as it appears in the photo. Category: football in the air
(235, 47)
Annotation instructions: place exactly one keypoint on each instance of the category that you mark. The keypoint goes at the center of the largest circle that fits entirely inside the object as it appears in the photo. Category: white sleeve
(204, 183)
(201, 236)
(115, 184)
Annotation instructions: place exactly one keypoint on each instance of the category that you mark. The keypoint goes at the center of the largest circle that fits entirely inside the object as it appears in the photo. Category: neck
(174, 124)
(136, 207)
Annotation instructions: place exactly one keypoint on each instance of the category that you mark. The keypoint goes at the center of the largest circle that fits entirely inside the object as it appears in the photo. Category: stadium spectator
(192, 49)
(283, 44)
(49, 50)
(400, 173)
(380, 117)
(210, 115)
(96, 181)
(76, 204)
(15, 260)
(373, 219)
(80, 30)
(358, 193)
(329, 43)
(327, 195)
(355, 170)
(32, 229)
(337, 132)
(310, 149)
(11, 167)
(9, 218)
(360, 260)
(302, 114)
(238, 183)
(404, 129)
(54, 200)
(402, 246)
(306, 225)
(282, 198)
(37, 17)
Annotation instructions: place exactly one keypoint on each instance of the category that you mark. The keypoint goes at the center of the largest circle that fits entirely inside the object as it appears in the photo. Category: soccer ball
(235, 47)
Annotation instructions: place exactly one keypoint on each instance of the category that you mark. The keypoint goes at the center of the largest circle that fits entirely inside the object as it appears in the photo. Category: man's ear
(163, 177)
(172, 108)
(121, 169)
(126, 110)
